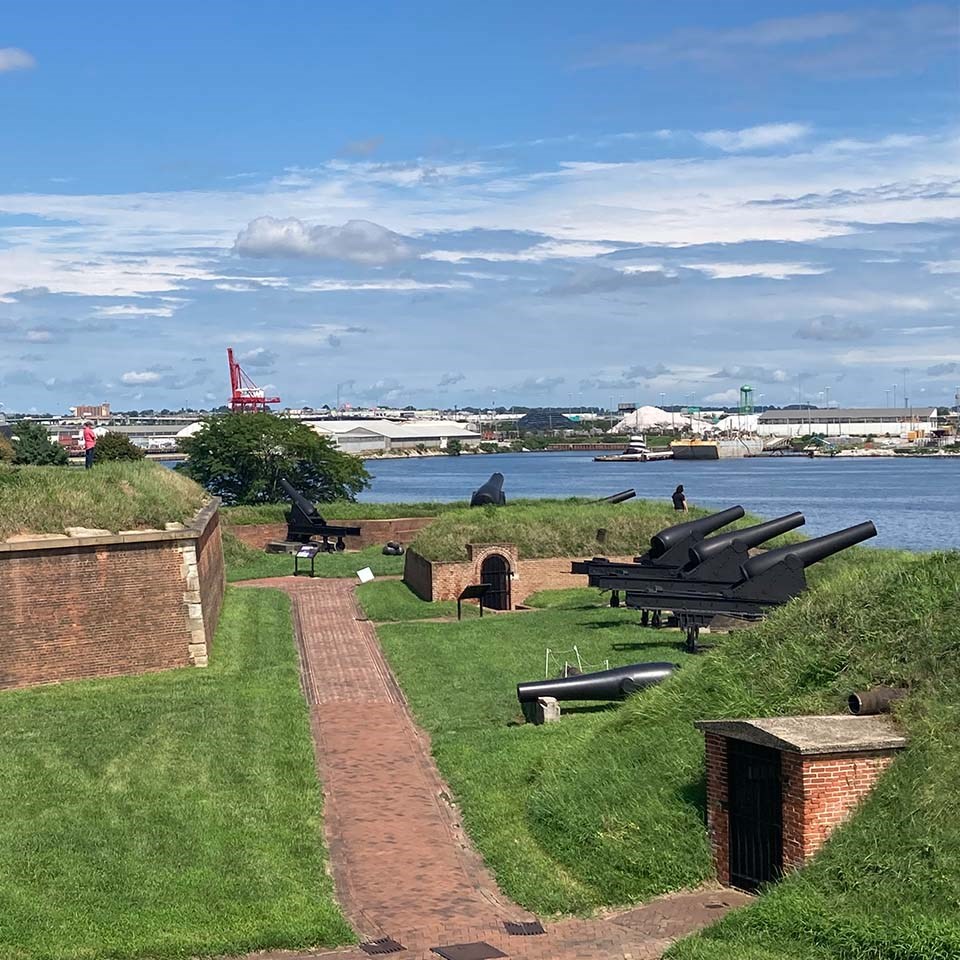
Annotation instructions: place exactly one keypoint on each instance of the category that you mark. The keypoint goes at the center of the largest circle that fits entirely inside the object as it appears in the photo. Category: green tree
(453, 447)
(32, 445)
(242, 456)
(117, 446)
(6, 450)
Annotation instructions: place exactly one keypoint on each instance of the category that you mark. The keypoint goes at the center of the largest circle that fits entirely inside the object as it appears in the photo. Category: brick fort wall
(100, 606)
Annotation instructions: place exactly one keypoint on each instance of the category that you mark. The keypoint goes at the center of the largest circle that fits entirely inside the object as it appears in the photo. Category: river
(915, 502)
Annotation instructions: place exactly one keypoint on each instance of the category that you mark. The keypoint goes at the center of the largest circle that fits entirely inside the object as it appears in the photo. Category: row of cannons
(696, 578)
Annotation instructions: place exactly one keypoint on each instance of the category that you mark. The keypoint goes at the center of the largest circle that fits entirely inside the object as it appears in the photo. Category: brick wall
(372, 532)
(444, 580)
(824, 793)
(108, 605)
(819, 793)
(718, 824)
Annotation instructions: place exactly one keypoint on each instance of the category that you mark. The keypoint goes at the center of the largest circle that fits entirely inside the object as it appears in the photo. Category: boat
(637, 451)
(716, 449)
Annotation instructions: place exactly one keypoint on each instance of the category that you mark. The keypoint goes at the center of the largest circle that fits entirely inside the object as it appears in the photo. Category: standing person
(89, 444)
(679, 498)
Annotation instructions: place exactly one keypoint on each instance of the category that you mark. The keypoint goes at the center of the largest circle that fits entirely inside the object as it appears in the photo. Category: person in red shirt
(89, 444)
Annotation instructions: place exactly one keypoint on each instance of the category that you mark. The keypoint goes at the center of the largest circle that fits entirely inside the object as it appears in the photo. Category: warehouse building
(853, 422)
(385, 436)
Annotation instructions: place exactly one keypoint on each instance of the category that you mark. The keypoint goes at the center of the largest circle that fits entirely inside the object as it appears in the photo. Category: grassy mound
(338, 510)
(607, 807)
(170, 815)
(555, 528)
(112, 496)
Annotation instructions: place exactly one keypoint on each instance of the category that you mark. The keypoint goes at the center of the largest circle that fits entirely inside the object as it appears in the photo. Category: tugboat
(637, 451)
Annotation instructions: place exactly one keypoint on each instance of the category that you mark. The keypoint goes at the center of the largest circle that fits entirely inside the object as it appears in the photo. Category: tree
(453, 447)
(6, 450)
(117, 446)
(32, 445)
(242, 456)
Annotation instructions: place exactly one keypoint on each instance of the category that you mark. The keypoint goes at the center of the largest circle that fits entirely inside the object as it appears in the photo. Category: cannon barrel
(812, 551)
(749, 536)
(661, 542)
(299, 499)
(619, 497)
(613, 684)
(490, 492)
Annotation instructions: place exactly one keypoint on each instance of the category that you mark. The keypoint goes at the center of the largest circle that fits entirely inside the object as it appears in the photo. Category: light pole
(886, 394)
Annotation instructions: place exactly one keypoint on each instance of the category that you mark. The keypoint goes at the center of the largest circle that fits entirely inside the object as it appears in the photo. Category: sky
(463, 204)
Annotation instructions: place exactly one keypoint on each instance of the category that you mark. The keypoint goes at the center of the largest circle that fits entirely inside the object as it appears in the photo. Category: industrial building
(385, 436)
(853, 422)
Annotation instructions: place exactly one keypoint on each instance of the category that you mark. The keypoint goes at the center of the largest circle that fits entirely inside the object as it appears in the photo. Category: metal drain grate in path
(468, 951)
(525, 928)
(383, 945)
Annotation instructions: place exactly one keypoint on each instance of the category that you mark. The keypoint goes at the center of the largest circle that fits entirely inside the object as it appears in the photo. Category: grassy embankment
(114, 496)
(169, 815)
(607, 806)
(557, 528)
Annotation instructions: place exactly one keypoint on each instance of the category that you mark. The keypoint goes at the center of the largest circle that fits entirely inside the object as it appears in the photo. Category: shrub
(117, 446)
(33, 446)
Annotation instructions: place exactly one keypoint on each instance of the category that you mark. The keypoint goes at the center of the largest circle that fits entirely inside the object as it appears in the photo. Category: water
(914, 502)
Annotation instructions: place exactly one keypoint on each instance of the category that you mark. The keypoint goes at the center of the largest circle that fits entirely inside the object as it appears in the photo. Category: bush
(33, 446)
(241, 458)
(117, 446)
(6, 450)
(453, 448)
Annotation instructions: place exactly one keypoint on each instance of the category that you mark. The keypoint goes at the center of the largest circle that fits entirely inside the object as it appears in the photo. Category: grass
(556, 528)
(112, 496)
(169, 815)
(572, 598)
(393, 600)
(460, 679)
(246, 563)
(339, 510)
(606, 807)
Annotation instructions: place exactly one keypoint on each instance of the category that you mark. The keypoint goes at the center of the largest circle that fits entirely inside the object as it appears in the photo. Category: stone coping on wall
(61, 541)
(812, 735)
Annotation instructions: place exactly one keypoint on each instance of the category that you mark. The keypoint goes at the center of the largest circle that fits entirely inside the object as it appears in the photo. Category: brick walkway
(402, 866)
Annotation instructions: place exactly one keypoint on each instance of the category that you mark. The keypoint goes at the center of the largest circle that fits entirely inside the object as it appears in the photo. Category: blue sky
(463, 204)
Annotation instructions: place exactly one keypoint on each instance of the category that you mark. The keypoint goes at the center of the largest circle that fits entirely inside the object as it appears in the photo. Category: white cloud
(771, 271)
(13, 58)
(394, 286)
(754, 138)
(359, 241)
(38, 336)
(131, 310)
(141, 376)
(724, 398)
(944, 266)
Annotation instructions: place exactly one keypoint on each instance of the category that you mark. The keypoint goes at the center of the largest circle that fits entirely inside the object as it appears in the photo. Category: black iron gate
(495, 570)
(755, 808)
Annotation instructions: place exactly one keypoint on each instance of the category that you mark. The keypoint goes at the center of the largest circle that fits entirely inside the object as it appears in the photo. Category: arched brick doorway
(495, 570)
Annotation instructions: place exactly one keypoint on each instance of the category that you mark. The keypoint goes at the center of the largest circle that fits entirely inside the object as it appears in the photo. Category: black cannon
(616, 684)
(767, 580)
(618, 497)
(490, 493)
(305, 522)
(671, 547)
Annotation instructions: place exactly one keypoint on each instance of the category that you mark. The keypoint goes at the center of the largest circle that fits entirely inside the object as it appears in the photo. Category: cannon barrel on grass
(304, 522)
(615, 684)
(490, 493)
(618, 497)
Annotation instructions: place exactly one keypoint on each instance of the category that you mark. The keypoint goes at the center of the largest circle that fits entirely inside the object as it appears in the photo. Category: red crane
(245, 394)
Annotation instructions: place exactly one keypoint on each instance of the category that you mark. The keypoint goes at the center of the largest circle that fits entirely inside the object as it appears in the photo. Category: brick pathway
(402, 866)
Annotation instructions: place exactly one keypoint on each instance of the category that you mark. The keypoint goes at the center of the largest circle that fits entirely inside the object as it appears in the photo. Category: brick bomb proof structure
(778, 787)
(99, 604)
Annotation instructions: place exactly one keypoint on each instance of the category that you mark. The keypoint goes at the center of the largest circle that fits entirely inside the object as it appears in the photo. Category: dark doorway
(495, 570)
(756, 814)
